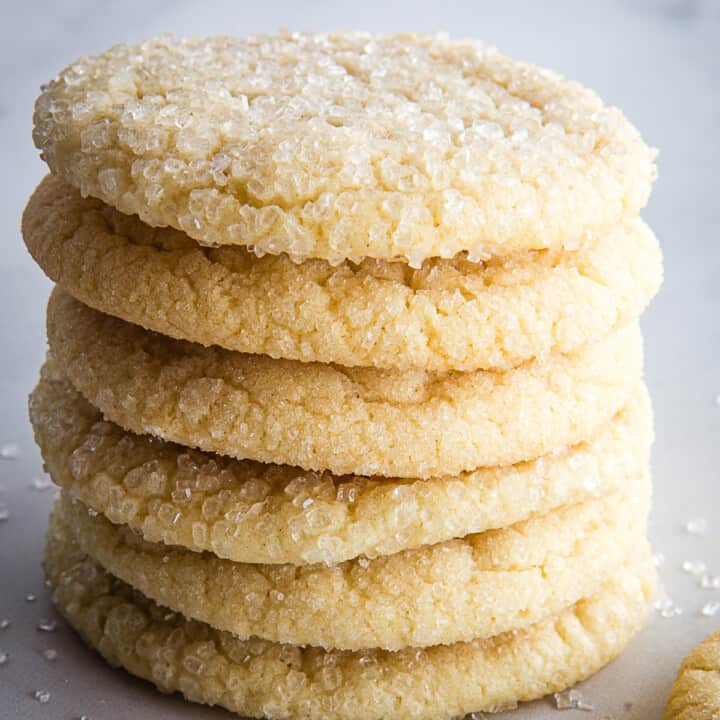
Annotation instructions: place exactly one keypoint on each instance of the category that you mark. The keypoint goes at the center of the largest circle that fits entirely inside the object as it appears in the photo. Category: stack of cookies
(344, 389)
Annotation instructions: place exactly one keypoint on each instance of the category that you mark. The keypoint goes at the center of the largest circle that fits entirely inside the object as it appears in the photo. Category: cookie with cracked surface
(437, 594)
(449, 315)
(362, 421)
(695, 694)
(250, 512)
(343, 146)
(256, 678)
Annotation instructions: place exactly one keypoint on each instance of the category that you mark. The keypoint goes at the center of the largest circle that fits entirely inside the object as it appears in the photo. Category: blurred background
(659, 60)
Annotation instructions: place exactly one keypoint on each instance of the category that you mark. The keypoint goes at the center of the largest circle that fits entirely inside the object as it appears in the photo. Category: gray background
(658, 60)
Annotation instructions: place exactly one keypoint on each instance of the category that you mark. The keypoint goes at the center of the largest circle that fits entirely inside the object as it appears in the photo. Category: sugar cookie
(256, 678)
(347, 420)
(433, 595)
(695, 695)
(343, 146)
(449, 315)
(249, 512)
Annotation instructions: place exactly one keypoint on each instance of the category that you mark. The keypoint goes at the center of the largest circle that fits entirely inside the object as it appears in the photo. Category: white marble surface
(658, 60)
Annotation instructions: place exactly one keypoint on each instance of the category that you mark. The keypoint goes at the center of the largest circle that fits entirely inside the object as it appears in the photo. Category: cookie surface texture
(255, 513)
(449, 315)
(347, 420)
(256, 678)
(695, 694)
(428, 596)
(343, 146)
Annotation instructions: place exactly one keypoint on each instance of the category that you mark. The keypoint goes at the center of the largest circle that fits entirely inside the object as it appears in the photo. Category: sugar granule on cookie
(524, 573)
(695, 694)
(255, 513)
(448, 315)
(340, 146)
(261, 679)
(361, 421)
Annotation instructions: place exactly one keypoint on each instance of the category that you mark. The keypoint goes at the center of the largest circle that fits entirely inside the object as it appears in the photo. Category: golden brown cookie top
(695, 695)
(343, 146)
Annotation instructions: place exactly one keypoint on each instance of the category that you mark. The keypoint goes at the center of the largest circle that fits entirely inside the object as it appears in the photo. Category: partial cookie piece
(449, 315)
(433, 595)
(254, 513)
(695, 694)
(347, 420)
(344, 146)
(256, 678)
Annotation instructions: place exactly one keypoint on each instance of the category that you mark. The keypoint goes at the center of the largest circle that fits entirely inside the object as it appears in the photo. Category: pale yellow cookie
(451, 314)
(695, 695)
(249, 512)
(343, 146)
(477, 586)
(346, 420)
(256, 678)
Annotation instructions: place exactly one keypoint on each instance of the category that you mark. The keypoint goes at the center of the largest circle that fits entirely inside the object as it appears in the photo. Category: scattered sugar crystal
(658, 559)
(50, 654)
(41, 483)
(4, 657)
(571, 700)
(4, 513)
(694, 567)
(710, 609)
(42, 696)
(696, 526)
(277, 595)
(4, 624)
(665, 605)
(668, 609)
(47, 625)
(710, 582)
(477, 716)
(503, 707)
(31, 597)
(9, 451)
(671, 612)
(563, 701)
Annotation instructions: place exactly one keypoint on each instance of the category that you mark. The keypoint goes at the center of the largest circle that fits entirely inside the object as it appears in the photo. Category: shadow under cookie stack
(344, 382)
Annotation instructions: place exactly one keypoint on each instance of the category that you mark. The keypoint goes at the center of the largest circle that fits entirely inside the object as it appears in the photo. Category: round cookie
(449, 315)
(256, 678)
(695, 694)
(347, 420)
(254, 513)
(433, 595)
(343, 146)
